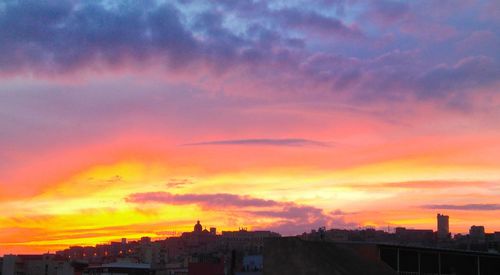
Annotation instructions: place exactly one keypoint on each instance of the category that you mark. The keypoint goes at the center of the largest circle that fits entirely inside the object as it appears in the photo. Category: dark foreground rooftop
(295, 256)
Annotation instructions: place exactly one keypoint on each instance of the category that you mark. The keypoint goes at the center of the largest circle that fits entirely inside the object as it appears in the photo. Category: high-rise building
(443, 226)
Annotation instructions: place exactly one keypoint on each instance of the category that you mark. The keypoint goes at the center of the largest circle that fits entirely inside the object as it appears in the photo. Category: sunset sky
(136, 118)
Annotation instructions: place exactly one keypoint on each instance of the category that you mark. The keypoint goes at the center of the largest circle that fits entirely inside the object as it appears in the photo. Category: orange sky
(81, 194)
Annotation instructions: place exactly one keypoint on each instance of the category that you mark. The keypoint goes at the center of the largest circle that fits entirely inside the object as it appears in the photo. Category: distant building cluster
(198, 252)
(476, 240)
(242, 252)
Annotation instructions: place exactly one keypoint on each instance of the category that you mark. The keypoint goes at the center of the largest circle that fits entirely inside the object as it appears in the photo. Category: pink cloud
(289, 217)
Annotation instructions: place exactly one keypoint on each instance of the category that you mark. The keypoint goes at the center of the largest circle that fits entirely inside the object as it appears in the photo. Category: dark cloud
(296, 17)
(316, 22)
(292, 142)
(279, 47)
(468, 207)
(467, 73)
(390, 11)
(44, 37)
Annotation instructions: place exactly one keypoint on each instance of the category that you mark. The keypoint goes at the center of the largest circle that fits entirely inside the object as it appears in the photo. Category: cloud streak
(422, 185)
(178, 183)
(205, 200)
(467, 207)
(288, 142)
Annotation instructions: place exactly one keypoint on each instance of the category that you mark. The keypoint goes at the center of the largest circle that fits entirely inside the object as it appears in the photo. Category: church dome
(198, 227)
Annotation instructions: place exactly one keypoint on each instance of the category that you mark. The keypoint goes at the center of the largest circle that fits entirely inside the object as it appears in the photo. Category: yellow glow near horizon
(90, 207)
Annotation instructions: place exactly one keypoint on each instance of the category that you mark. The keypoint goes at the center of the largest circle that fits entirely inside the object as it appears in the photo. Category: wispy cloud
(426, 184)
(205, 200)
(178, 183)
(291, 142)
(470, 207)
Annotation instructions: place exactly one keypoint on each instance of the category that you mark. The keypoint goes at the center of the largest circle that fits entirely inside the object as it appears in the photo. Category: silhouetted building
(416, 236)
(496, 236)
(476, 233)
(240, 253)
(213, 230)
(46, 264)
(145, 240)
(443, 227)
(246, 240)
